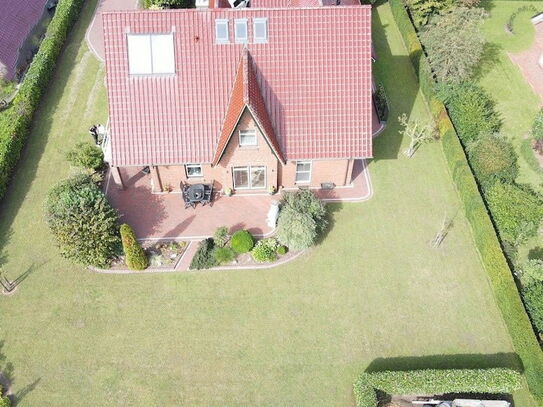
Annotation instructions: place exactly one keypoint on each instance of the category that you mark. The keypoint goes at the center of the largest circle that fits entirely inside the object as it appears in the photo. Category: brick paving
(530, 62)
(163, 216)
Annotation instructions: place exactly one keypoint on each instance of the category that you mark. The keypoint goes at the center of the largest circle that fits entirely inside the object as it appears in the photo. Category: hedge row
(15, 121)
(428, 381)
(486, 241)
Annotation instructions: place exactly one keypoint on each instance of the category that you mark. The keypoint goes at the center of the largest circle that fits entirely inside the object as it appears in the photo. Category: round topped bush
(242, 241)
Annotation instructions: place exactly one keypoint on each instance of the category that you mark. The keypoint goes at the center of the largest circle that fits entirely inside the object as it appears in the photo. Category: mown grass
(296, 335)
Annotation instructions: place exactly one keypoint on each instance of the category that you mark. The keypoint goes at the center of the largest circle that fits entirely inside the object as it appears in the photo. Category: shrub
(297, 230)
(282, 249)
(16, 120)
(204, 257)
(422, 10)
(242, 241)
(537, 126)
(160, 4)
(531, 272)
(265, 250)
(135, 257)
(364, 393)
(82, 221)
(223, 254)
(471, 110)
(517, 211)
(4, 401)
(85, 155)
(533, 298)
(305, 201)
(221, 236)
(454, 43)
(493, 158)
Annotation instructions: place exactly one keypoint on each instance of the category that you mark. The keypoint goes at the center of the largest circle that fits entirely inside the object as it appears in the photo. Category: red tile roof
(17, 19)
(314, 78)
(246, 95)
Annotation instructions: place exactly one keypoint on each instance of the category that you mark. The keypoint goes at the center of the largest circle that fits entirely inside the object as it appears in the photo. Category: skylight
(241, 30)
(260, 30)
(221, 31)
(151, 54)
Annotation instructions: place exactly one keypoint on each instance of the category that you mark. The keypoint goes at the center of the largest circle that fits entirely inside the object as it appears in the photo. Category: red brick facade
(278, 175)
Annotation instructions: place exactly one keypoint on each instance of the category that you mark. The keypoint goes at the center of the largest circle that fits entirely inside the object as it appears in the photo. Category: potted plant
(228, 191)
(272, 190)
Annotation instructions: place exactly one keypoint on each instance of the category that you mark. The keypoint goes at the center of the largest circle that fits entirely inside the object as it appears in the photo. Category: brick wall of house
(337, 171)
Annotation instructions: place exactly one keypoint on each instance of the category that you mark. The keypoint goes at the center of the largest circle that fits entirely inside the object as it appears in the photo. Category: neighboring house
(19, 22)
(249, 98)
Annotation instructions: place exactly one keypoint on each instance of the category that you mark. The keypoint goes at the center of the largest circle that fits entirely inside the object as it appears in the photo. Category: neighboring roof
(17, 19)
(314, 77)
(246, 95)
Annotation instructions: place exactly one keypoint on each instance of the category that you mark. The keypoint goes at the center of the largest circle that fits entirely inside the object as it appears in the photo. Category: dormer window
(221, 31)
(241, 30)
(260, 30)
(151, 54)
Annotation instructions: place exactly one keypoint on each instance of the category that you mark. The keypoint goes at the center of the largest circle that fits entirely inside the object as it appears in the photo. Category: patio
(163, 216)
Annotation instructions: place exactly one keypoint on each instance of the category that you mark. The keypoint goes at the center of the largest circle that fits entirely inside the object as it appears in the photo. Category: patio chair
(186, 199)
(208, 194)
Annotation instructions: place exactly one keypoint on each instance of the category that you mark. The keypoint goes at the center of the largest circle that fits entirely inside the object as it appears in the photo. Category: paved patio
(530, 62)
(163, 216)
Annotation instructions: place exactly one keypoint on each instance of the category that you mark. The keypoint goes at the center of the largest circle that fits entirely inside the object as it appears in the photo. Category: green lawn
(516, 101)
(296, 335)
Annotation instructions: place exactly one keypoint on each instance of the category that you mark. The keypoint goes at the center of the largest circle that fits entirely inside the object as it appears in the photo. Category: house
(21, 24)
(277, 94)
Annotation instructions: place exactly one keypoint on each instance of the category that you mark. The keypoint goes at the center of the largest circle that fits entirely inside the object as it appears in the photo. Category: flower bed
(162, 255)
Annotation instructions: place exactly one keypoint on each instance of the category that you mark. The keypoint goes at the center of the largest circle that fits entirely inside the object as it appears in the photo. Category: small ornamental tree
(454, 43)
(221, 236)
(493, 158)
(242, 241)
(82, 221)
(85, 155)
(135, 257)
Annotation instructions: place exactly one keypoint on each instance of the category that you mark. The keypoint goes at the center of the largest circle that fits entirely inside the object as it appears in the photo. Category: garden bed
(246, 260)
(162, 255)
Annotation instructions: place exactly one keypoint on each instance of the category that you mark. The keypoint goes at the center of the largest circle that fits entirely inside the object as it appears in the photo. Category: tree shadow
(536, 253)
(489, 59)
(331, 210)
(457, 361)
(7, 378)
(401, 88)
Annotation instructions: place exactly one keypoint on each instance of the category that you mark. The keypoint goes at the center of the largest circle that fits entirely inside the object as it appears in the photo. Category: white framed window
(250, 177)
(247, 138)
(303, 172)
(151, 54)
(221, 31)
(260, 30)
(194, 170)
(240, 30)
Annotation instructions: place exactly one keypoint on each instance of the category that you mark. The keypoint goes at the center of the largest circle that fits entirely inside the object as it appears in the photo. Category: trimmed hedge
(242, 241)
(434, 381)
(135, 257)
(533, 295)
(484, 235)
(15, 121)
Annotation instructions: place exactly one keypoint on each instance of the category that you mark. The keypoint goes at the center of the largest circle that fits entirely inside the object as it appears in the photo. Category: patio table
(195, 193)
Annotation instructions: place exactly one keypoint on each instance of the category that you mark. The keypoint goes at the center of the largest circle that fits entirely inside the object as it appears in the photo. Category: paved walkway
(530, 62)
(95, 32)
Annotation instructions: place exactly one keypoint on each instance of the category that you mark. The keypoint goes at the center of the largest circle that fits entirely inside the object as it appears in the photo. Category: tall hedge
(486, 241)
(435, 381)
(15, 121)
